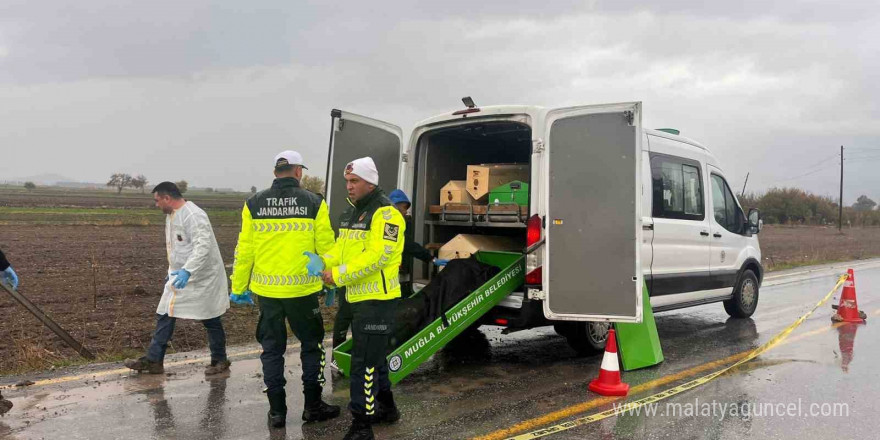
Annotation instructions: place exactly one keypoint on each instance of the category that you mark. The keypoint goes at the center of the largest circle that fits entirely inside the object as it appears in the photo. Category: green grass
(110, 192)
(796, 264)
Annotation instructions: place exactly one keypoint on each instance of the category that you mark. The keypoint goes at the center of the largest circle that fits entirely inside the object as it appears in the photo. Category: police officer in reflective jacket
(365, 260)
(279, 228)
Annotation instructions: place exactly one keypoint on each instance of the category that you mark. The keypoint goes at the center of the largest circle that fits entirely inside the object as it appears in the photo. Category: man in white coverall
(196, 286)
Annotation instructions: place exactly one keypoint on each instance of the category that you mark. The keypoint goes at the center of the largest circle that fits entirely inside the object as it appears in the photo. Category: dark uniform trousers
(372, 323)
(343, 318)
(304, 316)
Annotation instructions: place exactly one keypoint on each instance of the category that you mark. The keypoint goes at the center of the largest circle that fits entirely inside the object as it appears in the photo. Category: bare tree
(313, 184)
(182, 186)
(140, 182)
(120, 181)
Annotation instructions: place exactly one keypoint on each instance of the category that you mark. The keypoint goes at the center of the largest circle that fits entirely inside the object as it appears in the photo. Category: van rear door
(352, 137)
(592, 185)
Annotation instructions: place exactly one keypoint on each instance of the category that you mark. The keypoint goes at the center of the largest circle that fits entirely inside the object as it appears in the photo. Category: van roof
(489, 110)
(675, 137)
(537, 113)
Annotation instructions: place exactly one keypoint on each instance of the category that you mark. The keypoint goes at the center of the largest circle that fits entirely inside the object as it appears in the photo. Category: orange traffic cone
(848, 309)
(608, 383)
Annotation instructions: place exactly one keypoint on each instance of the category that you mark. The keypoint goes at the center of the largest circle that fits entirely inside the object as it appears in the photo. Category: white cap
(364, 168)
(289, 157)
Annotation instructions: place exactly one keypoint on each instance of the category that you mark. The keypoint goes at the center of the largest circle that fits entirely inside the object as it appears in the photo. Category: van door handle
(704, 233)
(717, 235)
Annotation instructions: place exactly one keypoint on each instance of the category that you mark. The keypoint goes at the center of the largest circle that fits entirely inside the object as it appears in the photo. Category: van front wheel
(588, 338)
(745, 296)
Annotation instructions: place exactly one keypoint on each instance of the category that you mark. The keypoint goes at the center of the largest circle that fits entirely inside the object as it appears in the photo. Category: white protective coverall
(190, 243)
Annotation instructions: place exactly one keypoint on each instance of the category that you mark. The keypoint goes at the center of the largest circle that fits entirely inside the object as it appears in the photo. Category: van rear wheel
(587, 338)
(745, 296)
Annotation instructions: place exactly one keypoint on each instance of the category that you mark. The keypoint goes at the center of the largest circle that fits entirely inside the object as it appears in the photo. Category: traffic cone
(848, 309)
(608, 383)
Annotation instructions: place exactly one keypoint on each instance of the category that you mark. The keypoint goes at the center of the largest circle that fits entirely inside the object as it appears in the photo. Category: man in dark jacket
(8, 275)
(366, 261)
(280, 227)
(6, 272)
(411, 248)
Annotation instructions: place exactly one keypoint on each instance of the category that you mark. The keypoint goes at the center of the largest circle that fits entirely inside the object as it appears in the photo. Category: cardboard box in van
(464, 245)
(455, 191)
(483, 178)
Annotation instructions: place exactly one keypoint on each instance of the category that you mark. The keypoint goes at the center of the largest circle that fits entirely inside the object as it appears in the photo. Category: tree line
(121, 181)
(794, 206)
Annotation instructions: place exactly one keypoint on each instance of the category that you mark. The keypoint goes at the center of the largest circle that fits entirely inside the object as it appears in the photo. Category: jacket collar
(364, 202)
(285, 182)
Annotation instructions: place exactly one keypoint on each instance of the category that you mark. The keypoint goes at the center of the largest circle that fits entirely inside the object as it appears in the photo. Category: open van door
(592, 184)
(352, 137)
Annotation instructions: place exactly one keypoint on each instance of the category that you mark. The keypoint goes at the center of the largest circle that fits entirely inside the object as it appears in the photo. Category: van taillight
(533, 230)
(533, 235)
(535, 277)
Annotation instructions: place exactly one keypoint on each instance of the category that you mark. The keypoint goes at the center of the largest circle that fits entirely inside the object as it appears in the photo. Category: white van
(611, 206)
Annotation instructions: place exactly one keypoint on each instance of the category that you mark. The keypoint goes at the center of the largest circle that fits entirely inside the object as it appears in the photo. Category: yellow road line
(739, 359)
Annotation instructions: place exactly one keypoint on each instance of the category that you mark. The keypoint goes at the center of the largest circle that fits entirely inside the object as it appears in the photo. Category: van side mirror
(755, 221)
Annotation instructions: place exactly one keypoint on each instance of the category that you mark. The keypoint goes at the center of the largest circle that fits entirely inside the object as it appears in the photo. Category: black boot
(315, 409)
(5, 405)
(145, 365)
(387, 411)
(277, 409)
(360, 428)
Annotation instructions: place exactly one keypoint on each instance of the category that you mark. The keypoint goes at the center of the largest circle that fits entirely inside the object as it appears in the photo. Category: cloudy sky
(209, 91)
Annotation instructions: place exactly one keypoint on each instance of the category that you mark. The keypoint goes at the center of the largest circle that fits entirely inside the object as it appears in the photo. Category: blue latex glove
(440, 262)
(11, 277)
(329, 295)
(182, 278)
(243, 298)
(316, 264)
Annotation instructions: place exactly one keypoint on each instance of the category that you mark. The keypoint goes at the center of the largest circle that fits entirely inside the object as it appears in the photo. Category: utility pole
(840, 207)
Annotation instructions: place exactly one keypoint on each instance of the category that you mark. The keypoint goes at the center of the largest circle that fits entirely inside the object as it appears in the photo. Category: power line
(810, 173)
(851, 158)
(821, 162)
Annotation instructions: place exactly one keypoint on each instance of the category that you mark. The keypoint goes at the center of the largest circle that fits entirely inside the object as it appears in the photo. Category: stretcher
(406, 357)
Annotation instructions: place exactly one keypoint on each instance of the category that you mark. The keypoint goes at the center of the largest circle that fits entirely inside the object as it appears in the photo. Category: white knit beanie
(364, 168)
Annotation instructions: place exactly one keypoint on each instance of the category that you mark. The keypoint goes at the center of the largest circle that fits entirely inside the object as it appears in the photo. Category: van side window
(727, 212)
(677, 188)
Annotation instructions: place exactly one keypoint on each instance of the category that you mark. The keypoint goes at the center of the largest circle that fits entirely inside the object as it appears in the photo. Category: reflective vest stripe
(283, 226)
(283, 280)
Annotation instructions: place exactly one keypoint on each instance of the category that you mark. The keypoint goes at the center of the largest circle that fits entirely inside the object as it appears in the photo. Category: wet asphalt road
(525, 380)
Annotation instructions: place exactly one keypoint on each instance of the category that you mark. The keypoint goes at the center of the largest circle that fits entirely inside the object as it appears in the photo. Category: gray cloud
(214, 89)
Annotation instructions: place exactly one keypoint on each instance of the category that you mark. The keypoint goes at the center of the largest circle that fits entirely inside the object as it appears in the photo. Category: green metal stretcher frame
(407, 357)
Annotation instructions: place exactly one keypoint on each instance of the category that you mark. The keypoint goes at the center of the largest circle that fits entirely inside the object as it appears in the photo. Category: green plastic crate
(513, 192)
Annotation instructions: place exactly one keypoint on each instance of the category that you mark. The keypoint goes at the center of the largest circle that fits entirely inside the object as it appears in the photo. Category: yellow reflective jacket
(277, 226)
(367, 254)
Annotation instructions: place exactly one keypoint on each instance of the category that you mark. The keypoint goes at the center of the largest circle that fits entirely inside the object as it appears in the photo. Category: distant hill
(43, 179)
